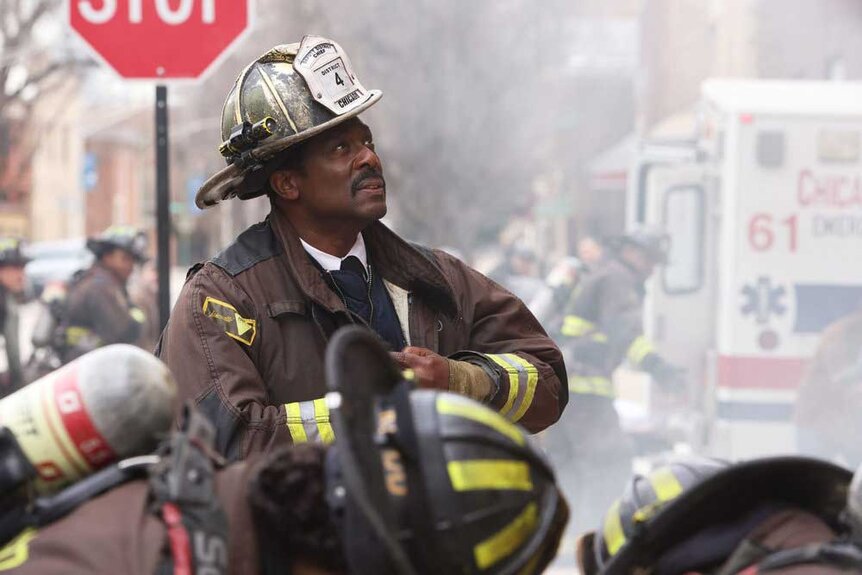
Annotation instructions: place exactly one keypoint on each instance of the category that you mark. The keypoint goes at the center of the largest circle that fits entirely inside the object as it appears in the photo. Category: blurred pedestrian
(98, 309)
(12, 292)
(247, 336)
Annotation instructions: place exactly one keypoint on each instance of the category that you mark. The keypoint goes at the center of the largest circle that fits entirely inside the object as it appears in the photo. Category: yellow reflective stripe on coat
(138, 314)
(592, 385)
(613, 529)
(463, 407)
(496, 474)
(513, 381)
(309, 421)
(77, 334)
(576, 326)
(523, 379)
(532, 382)
(321, 416)
(639, 349)
(506, 541)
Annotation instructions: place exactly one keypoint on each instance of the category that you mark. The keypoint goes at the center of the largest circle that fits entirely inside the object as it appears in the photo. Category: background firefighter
(601, 328)
(98, 309)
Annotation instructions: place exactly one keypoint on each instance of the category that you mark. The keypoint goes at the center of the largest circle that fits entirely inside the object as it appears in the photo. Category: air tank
(112, 403)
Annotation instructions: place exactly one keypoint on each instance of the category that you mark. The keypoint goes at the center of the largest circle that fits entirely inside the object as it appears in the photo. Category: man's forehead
(353, 124)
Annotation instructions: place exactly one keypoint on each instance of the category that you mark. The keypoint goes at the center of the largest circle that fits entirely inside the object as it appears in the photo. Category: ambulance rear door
(680, 311)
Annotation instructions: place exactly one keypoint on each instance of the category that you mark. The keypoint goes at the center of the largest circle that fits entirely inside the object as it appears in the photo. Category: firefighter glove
(671, 377)
(469, 379)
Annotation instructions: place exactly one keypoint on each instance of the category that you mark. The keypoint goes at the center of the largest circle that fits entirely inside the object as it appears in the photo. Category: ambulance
(763, 207)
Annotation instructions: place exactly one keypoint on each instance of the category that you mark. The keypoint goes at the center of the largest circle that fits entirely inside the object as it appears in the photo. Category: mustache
(366, 174)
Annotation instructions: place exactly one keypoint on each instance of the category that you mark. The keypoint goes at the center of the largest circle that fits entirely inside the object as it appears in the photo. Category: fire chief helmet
(431, 482)
(127, 238)
(12, 252)
(644, 496)
(289, 94)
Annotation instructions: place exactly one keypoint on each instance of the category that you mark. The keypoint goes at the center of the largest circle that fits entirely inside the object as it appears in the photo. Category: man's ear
(285, 184)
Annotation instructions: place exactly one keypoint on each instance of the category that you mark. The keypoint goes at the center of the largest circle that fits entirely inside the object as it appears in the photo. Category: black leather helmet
(431, 482)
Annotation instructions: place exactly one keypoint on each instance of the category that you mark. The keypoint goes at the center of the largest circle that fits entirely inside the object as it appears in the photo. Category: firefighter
(782, 515)
(12, 291)
(481, 501)
(98, 310)
(247, 336)
(602, 327)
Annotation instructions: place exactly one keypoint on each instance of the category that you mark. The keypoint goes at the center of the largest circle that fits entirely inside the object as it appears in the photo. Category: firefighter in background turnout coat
(602, 327)
(246, 339)
(99, 311)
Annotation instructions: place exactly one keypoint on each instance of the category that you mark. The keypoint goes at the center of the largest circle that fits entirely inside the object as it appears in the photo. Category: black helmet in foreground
(431, 482)
(703, 526)
(643, 498)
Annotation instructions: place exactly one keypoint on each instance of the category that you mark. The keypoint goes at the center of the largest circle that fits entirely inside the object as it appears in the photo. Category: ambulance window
(770, 149)
(684, 223)
(838, 146)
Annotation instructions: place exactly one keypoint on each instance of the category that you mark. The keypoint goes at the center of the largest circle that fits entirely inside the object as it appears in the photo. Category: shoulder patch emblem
(235, 326)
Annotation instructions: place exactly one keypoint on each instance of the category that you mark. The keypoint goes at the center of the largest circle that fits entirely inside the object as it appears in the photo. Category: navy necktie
(353, 286)
(352, 264)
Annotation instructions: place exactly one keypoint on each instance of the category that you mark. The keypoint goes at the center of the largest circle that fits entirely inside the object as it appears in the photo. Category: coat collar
(395, 259)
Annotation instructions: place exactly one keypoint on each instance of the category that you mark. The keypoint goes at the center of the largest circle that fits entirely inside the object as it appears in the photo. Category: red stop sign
(152, 39)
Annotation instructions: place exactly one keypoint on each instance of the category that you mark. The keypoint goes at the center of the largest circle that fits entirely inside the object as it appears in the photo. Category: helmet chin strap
(348, 487)
(356, 488)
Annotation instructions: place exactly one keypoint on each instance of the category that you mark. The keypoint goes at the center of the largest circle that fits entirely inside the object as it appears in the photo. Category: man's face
(12, 278)
(120, 262)
(341, 176)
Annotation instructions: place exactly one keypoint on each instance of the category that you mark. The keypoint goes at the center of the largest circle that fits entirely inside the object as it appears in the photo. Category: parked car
(56, 261)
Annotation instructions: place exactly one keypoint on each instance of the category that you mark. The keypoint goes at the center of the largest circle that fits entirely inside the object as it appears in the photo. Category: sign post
(163, 200)
(164, 41)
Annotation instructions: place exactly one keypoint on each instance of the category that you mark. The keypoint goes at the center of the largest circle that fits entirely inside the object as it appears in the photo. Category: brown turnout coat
(99, 302)
(247, 336)
(117, 532)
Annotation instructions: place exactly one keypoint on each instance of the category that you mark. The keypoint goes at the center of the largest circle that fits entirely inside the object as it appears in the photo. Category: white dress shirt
(330, 262)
